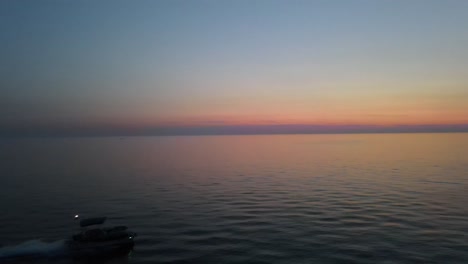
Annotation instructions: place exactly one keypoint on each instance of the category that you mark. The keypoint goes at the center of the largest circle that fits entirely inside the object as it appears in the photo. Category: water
(383, 198)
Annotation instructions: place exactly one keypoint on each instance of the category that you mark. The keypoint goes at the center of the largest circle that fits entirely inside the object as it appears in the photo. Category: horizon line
(213, 130)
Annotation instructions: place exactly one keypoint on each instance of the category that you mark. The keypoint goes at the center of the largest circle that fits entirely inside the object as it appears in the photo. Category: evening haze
(232, 67)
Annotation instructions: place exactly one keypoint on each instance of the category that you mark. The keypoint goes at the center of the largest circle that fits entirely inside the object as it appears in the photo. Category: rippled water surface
(384, 198)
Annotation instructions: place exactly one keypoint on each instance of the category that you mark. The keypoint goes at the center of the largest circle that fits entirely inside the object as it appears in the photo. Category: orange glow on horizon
(424, 118)
(323, 109)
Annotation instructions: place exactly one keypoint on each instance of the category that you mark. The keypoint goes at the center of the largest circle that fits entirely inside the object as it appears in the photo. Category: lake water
(367, 198)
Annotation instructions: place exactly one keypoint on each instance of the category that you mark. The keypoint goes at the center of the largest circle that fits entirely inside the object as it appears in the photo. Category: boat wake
(34, 248)
(90, 242)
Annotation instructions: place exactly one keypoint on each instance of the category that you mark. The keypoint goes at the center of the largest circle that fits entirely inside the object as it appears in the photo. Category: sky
(220, 67)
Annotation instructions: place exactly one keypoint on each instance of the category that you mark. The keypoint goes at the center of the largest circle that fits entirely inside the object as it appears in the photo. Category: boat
(93, 239)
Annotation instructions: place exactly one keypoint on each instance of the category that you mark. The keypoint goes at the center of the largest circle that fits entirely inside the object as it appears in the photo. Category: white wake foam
(33, 248)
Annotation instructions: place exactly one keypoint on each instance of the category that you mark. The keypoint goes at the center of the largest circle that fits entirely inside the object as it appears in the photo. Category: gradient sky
(147, 65)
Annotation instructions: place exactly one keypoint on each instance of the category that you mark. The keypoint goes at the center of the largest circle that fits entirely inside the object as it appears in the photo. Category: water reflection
(235, 199)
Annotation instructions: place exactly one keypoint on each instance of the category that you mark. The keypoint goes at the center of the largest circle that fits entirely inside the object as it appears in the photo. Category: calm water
(386, 198)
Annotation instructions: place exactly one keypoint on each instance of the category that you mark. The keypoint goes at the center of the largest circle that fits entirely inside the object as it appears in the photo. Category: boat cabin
(95, 234)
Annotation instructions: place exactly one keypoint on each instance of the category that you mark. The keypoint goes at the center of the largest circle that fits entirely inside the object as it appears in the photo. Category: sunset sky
(132, 67)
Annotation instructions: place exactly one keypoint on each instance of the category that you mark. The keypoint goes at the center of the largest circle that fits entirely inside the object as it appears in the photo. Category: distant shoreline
(69, 134)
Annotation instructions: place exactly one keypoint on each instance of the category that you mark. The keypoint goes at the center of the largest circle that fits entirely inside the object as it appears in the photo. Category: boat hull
(99, 248)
